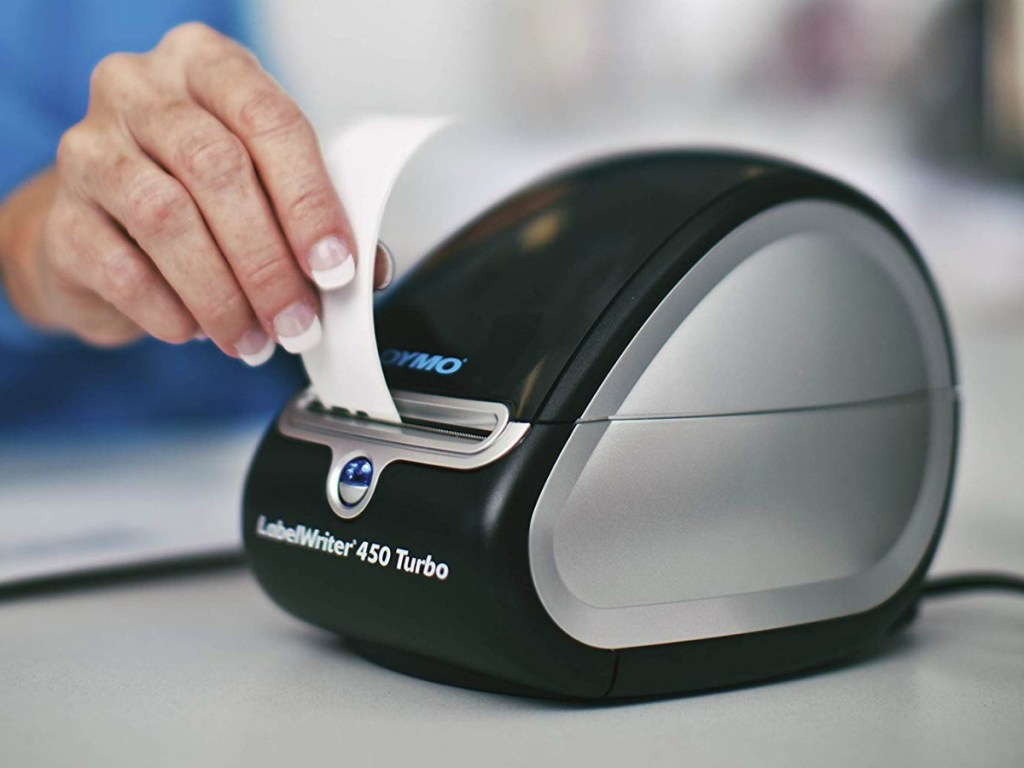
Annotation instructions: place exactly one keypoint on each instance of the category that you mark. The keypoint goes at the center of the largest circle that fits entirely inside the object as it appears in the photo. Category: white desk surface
(204, 670)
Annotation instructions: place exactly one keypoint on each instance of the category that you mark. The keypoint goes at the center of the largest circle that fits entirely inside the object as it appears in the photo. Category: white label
(365, 160)
(368, 552)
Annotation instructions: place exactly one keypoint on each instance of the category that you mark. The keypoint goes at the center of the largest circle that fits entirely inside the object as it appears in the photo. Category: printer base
(695, 667)
(436, 671)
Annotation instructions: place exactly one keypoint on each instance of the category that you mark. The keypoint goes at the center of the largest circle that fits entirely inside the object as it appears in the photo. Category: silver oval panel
(773, 448)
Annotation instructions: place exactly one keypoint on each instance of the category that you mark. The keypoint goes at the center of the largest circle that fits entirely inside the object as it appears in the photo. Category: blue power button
(355, 480)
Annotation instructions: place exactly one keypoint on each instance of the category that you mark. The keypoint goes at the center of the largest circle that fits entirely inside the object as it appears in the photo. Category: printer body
(670, 422)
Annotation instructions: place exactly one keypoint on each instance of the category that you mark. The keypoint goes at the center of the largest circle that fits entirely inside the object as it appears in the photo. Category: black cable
(121, 574)
(973, 580)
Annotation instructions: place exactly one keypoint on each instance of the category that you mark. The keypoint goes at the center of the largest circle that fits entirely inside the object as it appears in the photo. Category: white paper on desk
(364, 162)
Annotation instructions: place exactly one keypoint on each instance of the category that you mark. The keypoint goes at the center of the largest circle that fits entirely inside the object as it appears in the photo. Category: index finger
(286, 154)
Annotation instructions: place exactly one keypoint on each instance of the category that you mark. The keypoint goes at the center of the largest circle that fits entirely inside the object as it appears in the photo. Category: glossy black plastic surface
(515, 293)
(483, 619)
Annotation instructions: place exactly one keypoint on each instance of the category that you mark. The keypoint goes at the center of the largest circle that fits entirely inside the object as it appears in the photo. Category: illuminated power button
(355, 481)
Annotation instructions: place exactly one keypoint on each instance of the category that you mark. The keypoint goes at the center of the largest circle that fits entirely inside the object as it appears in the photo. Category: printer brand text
(421, 361)
(368, 552)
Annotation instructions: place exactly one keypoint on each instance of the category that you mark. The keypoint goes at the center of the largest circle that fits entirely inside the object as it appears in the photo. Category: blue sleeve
(48, 49)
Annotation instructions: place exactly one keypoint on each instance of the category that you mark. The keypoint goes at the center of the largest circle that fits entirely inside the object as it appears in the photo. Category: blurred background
(919, 103)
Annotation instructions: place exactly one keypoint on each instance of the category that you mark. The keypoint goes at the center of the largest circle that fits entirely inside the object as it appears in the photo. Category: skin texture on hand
(191, 199)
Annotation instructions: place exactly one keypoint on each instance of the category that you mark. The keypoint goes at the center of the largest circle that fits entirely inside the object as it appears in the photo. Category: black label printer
(671, 421)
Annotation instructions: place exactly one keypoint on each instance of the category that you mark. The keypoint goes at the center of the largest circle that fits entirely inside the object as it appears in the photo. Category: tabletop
(203, 670)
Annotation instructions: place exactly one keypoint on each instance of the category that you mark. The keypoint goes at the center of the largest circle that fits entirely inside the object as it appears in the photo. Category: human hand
(192, 198)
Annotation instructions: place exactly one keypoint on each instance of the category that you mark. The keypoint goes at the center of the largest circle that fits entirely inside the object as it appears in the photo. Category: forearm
(22, 214)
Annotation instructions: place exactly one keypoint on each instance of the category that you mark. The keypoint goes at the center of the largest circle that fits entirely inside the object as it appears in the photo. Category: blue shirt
(48, 49)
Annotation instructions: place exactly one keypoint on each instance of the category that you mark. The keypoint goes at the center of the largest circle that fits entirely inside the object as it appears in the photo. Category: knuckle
(112, 70)
(215, 159)
(71, 149)
(313, 203)
(154, 204)
(261, 275)
(189, 34)
(268, 111)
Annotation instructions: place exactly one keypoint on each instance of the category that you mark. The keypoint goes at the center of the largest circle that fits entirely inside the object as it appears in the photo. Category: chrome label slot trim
(382, 443)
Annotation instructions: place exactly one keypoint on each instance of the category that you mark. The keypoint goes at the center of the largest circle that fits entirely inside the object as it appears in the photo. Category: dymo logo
(421, 361)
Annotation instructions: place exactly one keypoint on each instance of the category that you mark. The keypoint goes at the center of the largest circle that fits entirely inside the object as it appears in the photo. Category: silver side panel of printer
(780, 457)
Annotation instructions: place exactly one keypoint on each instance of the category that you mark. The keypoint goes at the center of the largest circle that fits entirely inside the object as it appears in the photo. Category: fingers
(112, 266)
(160, 215)
(206, 202)
(286, 154)
(97, 323)
(69, 285)
(84, 313)
(215, 167)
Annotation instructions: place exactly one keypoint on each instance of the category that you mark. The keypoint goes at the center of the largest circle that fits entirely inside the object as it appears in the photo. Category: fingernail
(389, 266)
(298, 328)
(200, 336)
(331, 263)
(255, 347)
